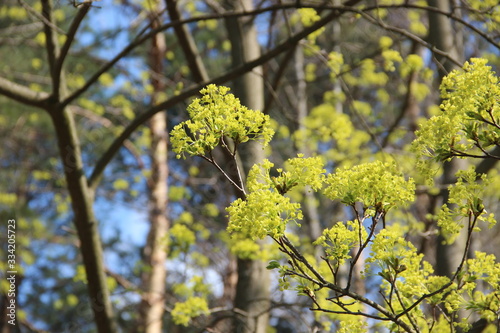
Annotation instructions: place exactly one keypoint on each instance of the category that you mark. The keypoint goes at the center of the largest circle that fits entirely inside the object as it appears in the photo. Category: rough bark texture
(155, 252)
(252, 290)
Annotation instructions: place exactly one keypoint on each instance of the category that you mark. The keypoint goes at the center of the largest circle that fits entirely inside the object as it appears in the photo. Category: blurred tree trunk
(443, 37)
(311, 210)
(253, 286)
(155, 251)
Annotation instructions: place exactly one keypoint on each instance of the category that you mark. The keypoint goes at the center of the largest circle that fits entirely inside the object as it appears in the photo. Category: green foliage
(266, 211)
(378, 186)
(466, 195)
(370, 190)
(263, 213)
(338, 241)
(469, 123)
(214, 116)
(183, 312)
(358, 81)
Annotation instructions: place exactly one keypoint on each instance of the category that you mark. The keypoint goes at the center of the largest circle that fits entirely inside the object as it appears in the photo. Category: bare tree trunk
(86, 224)
(253, 287)
(155, 253)
(311, 210)
(442, 36)
(82, 196)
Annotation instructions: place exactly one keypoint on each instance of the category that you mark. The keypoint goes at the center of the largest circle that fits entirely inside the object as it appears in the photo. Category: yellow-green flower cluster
(400, 265)
(321, 126)
(470, 117)
(302, 171)
(215, 115)
(264, 212)
(466, 196)
(377, 185)
(183, 312)
(339, 240)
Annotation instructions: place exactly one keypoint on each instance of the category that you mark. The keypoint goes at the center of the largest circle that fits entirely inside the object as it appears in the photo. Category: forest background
(115, 233)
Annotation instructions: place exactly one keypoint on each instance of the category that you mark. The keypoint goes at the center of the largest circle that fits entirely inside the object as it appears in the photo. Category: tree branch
(51, 45)
(322, 283)
(32, 11)
(141, 38)
(409, 35)
(438, 11)
(70, 37)
(22, 94)
(187, 44)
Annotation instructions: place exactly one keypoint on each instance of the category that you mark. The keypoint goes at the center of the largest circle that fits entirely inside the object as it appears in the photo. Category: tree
(371, 190)
(383, 81)
(155, 252)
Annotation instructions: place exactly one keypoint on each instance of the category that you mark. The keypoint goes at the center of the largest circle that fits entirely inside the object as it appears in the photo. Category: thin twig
(70, 37)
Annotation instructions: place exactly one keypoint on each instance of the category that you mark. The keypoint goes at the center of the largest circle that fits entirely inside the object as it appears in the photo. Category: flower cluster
(263, 213)
(215, 115)
(470, 119)
(466, 196)
(376, 185)
(339, 240)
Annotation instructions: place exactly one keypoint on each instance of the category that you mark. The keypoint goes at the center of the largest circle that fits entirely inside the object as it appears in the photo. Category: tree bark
(155, 252)
(253, 286)
(86, 224)
(442, 36)
(82, 197)
(311, 210)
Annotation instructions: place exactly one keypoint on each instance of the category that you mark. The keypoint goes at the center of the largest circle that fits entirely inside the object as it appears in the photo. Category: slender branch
(362, 246)
(272, 87)
(296, 252)
(70, 37)
(121, 280)
(458, 270)
(352, 313)
(141, 38)
(409, 102)
(337, 9)
(51, 45)
(321, 282)
(407, 314)
(108, 124)
(489, 163)
(408, 35)
(458, 153)
(22, 94)
(187, 44)
(212, 161)
(493, 120)
(22, 29)
(44, 20)
(450, 15)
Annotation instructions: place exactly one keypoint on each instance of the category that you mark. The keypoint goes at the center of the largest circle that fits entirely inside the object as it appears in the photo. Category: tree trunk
(84, 219)
(442, 36)
(253, 286)
(82, 197)
(155, 253)
(311, 210)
